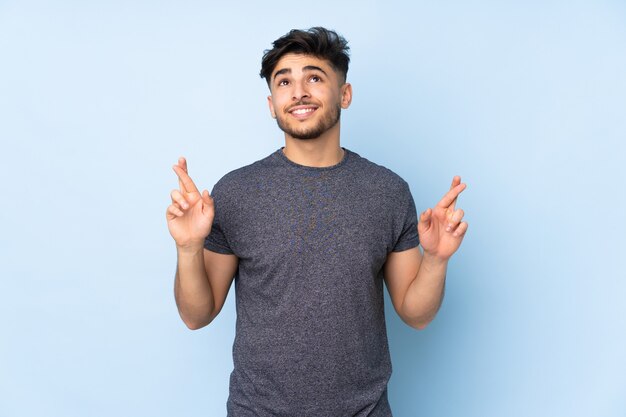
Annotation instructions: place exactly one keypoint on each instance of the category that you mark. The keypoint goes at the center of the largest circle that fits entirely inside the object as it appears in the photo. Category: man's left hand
(441, 229)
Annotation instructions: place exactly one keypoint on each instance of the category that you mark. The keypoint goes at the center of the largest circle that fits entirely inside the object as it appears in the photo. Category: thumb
(207, 201)
(425, 220)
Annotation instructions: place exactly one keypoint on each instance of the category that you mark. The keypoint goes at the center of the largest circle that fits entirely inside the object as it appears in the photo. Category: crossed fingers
(180, 197)
(449, 200)
(454, 216)
(185, 182)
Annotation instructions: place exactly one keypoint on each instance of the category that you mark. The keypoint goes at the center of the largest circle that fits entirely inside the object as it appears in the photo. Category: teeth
(303, 111)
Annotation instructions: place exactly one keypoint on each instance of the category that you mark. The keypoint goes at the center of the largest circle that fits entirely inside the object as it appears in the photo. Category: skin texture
(306, 82)
(415, 281)
(306, 99)
(203, 278)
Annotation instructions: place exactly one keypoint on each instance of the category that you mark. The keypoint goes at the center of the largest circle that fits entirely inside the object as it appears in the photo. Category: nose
(300, 91)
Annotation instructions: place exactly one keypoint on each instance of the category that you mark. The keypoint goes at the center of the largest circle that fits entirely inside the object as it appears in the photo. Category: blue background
(526, 100)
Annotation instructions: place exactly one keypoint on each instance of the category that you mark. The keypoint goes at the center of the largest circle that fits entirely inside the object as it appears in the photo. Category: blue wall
(525, 100)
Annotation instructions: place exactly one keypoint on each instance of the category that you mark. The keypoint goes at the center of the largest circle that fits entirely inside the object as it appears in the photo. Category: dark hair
(317, 41)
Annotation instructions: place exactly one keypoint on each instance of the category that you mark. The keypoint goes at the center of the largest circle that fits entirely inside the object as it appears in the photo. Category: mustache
(301, 103)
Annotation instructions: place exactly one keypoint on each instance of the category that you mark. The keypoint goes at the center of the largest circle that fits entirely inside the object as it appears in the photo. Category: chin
(324, 125)
(305, 135)
(302, 134)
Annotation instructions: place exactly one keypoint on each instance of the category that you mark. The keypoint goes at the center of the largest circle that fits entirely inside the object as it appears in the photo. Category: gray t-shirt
(310, 336)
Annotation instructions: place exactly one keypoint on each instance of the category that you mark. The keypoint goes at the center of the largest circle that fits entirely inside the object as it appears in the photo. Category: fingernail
(449, 228)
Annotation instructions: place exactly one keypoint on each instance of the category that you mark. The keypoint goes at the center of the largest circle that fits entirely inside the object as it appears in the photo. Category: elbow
(418, 319)
(420, 326)
(418, 323)
(196, 323)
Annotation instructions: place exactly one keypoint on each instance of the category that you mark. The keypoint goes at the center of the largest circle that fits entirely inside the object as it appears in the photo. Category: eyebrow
(305, 69)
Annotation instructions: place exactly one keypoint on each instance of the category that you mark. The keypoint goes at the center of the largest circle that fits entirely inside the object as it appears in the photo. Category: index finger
(449, 199)
(182, 162)
(184, 180)
(455, 181)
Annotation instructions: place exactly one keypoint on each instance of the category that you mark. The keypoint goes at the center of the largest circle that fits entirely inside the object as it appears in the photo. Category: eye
(282, 82)
(315, 79)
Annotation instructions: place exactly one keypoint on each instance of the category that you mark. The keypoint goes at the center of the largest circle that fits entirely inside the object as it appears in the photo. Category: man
(309, 233)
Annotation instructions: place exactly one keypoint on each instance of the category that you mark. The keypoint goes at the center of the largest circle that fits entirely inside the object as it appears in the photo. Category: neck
(323, 151)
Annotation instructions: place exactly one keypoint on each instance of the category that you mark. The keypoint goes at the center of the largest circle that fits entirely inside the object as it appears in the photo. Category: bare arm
(416, 282)
(416, 285)
(202, 281)
(202, 277)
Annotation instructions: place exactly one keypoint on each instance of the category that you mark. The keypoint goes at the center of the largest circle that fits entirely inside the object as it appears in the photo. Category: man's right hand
(190, 216)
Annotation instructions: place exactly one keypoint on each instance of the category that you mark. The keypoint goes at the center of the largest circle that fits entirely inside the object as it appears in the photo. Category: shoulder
(242, 178)
(377, 176)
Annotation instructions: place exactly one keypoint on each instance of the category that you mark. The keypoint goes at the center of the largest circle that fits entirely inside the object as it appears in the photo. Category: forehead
(297, 62)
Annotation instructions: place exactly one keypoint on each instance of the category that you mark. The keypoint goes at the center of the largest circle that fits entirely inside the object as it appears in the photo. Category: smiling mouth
(302, 112)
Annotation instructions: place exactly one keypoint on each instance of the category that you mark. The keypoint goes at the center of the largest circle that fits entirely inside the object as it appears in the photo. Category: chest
(313, 220)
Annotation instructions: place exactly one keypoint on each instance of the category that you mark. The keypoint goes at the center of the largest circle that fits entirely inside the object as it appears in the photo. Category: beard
(327, 122)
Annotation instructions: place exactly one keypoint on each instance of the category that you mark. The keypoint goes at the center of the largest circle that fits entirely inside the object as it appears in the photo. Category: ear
(271, 106)
(346, 95)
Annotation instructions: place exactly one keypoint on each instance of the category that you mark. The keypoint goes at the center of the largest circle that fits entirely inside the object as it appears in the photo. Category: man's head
(306, 73)
(318, 42)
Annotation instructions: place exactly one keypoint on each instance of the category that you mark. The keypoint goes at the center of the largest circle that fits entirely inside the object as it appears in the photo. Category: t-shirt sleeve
(216, 241)
(407, 217)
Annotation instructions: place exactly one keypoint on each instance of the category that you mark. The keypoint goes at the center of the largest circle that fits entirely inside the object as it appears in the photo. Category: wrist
(191, 248)
(433, 260)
